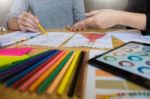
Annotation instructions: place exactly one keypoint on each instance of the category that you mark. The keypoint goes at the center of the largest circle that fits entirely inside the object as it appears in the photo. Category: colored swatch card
(15, 37)
(130, 35)
(101, 83)
(47, 73)
(92, 40)
(14, 51)
(53, 75)
(58, 78)
(32, 79)
(53, 39)
(26, 77)
(21, 67)
(28, 70)
(7, 60)
(68, 75)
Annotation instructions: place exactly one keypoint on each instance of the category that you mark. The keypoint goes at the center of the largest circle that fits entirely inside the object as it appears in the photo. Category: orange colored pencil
(37, 83)
(33, 78)
(57, 80)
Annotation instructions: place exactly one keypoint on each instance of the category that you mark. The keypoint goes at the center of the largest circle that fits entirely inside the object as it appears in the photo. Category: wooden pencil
(28, 70)
(57, 80)
(44, 76)
(32, 79)
(21, 67)
(49, 79)
(25, 78)
(79, 90)
(76, 75)
(68, 74)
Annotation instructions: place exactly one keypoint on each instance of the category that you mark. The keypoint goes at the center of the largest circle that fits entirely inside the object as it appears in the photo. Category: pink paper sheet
(14, 51)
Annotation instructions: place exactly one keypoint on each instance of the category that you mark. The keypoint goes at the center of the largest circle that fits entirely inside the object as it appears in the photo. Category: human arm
(107, 18)
(20, 19)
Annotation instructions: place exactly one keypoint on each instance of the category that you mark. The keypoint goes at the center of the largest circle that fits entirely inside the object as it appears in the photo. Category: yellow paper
(6, 60)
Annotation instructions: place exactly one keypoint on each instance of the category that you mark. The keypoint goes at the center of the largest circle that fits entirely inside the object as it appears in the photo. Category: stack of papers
(53, 39)
(15, 37)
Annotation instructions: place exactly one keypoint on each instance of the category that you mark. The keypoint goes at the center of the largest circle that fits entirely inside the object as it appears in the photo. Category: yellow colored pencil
(35, 85)
(57, 80)
(42, 29)
(68, 74)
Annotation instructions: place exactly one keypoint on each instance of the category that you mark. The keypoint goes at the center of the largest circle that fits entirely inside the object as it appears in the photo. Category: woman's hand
(101, 19)
(28, 22)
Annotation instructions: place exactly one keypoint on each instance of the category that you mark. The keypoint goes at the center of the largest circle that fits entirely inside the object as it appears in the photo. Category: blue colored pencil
(21, 67)
(22, 74)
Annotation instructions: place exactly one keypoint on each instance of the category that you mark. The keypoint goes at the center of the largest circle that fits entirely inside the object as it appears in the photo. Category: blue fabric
(51, 13)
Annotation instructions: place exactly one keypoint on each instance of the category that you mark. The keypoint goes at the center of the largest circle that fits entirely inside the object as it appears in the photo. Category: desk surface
(8, 93)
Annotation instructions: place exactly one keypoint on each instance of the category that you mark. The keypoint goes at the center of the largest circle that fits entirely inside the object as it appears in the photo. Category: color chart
(101, 83)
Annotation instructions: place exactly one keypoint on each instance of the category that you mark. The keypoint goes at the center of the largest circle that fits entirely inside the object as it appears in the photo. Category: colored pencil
(28, 70)
(32, 79)
(21, 67)
(57, 80)
(49, 79)
(68, 74)
(79, 90)
(17, 65)
(25, 78)
(34, 86)
(42, 29)
(76, 75)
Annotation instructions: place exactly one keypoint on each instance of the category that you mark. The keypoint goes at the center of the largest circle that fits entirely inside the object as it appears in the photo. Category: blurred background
(89, 5)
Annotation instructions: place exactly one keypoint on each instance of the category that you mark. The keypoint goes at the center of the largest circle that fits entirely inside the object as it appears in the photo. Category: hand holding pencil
(28, 22)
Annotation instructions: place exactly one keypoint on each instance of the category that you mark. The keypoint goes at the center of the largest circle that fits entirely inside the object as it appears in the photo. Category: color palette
(48, 72)
(131, 57)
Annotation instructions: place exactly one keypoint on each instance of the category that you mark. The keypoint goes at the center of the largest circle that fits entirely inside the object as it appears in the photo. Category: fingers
(82, 25)
(27, 22)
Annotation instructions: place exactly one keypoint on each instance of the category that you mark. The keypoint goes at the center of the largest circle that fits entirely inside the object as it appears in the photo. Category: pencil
(52, 76)
(57, 80)
(80, 84)
(28, 70)
(76, 75)
(32, 79)
(42, 29)
(21, 67)
(23, 79)
(37, 83)
(68, 74)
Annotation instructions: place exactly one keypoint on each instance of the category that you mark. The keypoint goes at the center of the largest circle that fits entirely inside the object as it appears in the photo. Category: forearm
(135, 20)
(13, 24)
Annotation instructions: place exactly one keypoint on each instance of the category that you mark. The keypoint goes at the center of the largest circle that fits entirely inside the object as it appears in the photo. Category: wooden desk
(8, 93)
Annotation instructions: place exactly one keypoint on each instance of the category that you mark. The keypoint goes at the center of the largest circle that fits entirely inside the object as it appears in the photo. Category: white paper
(11, 38)
(130, 35)
(81, 41)
(53, 39)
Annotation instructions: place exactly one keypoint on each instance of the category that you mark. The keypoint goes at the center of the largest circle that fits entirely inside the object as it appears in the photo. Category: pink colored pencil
(30, 81)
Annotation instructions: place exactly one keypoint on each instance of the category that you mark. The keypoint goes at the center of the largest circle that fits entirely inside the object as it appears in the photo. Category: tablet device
(131, 61)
